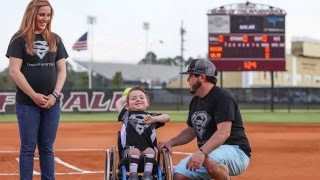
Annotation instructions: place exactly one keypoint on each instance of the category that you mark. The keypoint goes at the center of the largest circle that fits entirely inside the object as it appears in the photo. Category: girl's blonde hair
(27, 27)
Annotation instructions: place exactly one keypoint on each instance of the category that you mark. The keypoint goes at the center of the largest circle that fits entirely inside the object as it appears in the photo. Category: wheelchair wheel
(165, 162)
(114, 164)
(111, 164)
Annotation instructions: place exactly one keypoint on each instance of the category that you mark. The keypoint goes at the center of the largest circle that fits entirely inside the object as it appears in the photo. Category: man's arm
(183, 137)
(218, 138)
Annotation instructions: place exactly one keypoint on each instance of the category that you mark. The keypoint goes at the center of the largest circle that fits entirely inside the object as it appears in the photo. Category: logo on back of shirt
(40, 48)
(136, 120)
(199, 120)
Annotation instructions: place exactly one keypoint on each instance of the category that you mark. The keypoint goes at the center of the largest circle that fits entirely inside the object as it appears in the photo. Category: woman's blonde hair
(27, 27)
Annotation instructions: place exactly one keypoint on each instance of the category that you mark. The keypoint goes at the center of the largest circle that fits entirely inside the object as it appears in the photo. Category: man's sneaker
(147, 176)
(133, 176)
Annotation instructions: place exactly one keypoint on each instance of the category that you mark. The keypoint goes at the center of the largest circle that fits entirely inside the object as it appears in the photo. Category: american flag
(81, 44)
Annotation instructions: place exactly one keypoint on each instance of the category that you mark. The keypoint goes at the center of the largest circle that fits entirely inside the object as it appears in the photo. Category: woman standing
(37, 65)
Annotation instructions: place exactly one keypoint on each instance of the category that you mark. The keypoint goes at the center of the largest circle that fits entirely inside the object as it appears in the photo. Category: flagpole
(91, 20)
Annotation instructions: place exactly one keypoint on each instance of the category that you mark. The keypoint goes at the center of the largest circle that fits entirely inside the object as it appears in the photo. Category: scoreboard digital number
(248, 51)
(247, 43)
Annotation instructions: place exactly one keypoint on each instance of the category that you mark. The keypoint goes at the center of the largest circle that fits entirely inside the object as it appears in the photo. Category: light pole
(91, 20)
(146, 27)
(182, 32)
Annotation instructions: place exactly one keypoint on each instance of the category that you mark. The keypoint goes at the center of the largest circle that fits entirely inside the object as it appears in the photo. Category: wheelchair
(116, 168)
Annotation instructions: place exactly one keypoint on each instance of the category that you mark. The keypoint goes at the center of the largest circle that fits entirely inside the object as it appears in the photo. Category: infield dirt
(280, 151)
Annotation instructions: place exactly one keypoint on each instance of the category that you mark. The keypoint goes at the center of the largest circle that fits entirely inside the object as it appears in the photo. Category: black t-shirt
(135, 132)
(40, 68)
(216, 107)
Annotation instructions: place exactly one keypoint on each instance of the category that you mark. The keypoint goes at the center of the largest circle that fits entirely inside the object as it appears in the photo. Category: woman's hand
(51, 100)
(39, 99)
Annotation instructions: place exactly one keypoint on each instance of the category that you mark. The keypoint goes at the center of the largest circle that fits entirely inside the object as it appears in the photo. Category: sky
(118, 35)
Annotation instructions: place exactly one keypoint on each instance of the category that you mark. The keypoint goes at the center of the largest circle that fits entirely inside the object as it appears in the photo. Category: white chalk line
(79, 150)
(57, 173)
(58, 160)
(56, 150)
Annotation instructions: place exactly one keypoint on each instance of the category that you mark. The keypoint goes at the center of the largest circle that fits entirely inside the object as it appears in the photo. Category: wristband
(57, 90)
(202, 151)
(54, 95)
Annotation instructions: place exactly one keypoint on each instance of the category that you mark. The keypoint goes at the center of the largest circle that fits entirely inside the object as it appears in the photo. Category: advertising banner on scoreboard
(274, 24)
(219, 24)
(246, 24)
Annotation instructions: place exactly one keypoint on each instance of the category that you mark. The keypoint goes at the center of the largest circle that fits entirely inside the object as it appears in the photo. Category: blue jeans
(37, 126)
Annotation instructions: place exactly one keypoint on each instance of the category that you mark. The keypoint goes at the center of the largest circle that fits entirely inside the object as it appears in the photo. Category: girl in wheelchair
(138, 132)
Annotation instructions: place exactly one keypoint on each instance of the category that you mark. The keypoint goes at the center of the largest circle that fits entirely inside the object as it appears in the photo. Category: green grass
(281, 117)
(296, 116)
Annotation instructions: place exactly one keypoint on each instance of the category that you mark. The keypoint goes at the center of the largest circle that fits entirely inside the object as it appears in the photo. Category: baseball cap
(201, 66)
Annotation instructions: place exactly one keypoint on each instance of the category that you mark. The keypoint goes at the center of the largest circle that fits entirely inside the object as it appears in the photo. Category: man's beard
(195, 87)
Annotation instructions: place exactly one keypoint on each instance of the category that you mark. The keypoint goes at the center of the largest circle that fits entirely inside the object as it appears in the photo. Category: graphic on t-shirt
(200, 119)
(136, 120)
(40, 48)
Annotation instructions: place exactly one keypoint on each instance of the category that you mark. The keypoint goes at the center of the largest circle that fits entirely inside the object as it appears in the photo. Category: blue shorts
(229, 155)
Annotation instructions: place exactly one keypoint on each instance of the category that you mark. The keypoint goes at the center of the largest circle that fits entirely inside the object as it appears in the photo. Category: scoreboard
(247, 42)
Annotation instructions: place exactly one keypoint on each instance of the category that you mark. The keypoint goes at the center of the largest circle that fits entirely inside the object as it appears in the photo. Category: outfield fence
(103, 100)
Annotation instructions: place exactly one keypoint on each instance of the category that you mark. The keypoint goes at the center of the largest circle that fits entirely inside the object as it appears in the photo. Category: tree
(150, 58)
(71, 74)
(82, 80)
(189, 60)
(5, 80)
(166, 61)
(117, 81)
